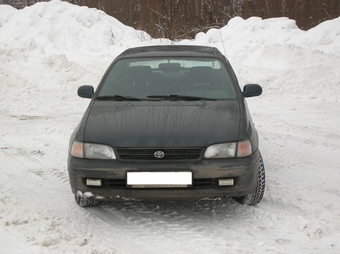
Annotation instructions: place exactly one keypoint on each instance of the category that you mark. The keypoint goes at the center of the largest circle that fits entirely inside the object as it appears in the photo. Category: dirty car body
(166, 122)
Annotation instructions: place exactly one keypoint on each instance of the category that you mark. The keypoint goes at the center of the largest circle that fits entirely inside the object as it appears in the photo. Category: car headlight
(229, 150)
(226, 150)
(92, 151)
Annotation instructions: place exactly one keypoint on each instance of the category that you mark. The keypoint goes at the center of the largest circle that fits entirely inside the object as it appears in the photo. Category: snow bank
(254, 46)
(59, 27)
(6, 11)
(241, 36)
(287, 61)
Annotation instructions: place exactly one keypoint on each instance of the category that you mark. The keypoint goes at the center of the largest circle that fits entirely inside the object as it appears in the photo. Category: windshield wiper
(124, 98)
(180, 97)
(118, 98)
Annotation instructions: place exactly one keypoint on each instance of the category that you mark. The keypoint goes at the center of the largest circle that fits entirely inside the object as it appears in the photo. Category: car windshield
(167, 79)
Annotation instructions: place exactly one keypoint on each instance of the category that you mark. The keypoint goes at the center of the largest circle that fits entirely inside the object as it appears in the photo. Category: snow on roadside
(49, 49)
(286, 61)
(61, 28)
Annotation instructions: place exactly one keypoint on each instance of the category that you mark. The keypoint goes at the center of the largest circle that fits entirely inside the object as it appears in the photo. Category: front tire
(256, 197)
(85, 201)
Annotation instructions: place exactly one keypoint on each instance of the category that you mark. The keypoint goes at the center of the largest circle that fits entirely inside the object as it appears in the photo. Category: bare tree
(178, 19)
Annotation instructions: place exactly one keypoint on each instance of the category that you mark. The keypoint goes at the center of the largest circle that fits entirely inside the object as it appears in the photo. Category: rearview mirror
(251, 90)
(86, 91)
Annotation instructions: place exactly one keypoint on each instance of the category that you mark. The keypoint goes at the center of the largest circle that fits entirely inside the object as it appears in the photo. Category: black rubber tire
(256, 197)
(84, 201)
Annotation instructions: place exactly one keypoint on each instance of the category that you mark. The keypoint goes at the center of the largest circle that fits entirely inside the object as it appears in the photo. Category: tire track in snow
(210, 222)
(205, 225)
(302, 148)
(34, 161)
(186, 226)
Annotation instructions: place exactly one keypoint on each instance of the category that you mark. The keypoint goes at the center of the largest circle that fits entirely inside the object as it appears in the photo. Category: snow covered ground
(50, 49)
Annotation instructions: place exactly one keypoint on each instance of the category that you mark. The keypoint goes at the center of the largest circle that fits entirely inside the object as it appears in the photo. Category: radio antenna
(225, 53)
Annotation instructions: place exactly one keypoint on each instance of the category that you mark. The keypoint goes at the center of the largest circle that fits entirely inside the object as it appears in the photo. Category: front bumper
(205, 174)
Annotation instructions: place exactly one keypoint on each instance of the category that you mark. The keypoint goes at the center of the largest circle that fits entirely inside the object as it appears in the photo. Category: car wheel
(256, 197)
(85, 201)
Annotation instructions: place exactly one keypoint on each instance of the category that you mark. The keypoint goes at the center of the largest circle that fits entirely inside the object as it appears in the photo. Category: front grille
(169, 153)
(205, 182)
(117, 183)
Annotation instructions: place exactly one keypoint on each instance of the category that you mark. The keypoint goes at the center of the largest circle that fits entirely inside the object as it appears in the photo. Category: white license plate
(159, 179)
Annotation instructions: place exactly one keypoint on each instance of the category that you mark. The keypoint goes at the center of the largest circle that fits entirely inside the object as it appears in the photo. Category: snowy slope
(48, 50)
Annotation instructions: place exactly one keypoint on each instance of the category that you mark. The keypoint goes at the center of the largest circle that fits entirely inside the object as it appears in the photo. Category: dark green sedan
(167, 122)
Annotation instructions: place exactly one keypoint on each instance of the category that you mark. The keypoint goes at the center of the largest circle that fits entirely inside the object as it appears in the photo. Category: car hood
(162, 123)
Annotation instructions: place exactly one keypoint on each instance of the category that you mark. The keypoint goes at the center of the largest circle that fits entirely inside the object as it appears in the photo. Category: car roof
(172, 51)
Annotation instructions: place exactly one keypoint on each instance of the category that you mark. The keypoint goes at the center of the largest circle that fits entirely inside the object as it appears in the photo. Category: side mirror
(86, 92)
(251, 90)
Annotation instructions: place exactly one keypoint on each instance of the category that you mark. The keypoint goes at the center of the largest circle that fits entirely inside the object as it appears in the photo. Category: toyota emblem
(159, 154)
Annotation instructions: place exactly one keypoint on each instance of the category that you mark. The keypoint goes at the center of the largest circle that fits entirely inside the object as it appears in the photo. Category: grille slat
(114, 183)
(169, 153)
